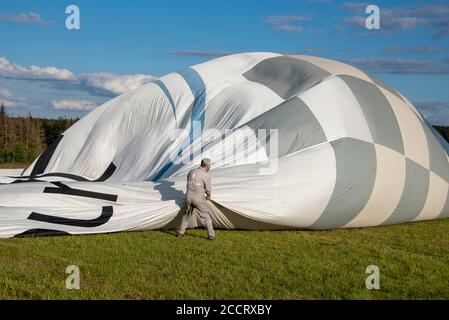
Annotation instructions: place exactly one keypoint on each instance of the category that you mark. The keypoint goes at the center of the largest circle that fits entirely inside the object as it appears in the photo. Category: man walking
(198, 192)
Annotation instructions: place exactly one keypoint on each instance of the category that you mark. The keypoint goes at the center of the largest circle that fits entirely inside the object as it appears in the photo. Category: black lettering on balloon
(106, 214)
(65, 189)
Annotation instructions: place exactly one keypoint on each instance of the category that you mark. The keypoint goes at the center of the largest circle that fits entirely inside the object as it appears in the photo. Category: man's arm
(207, 186)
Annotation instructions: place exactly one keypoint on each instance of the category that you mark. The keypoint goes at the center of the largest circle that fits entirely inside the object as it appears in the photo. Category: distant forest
(444, 131)
(22, 139)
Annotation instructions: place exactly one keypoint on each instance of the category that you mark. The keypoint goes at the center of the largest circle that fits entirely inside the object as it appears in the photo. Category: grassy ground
(13, 165)
(413, 261)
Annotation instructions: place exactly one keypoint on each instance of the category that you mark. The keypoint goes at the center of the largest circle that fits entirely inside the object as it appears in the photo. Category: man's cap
(206, 161)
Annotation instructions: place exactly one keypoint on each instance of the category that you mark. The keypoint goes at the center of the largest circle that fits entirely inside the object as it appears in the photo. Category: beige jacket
(198, 182)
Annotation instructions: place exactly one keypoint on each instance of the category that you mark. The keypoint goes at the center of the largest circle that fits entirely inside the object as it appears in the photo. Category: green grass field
(413, 261)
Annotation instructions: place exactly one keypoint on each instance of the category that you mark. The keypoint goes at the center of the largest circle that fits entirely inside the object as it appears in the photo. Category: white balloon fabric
(297, 142)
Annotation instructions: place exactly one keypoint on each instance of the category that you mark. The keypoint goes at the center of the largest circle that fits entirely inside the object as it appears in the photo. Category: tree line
(22, 139)
(444, 131)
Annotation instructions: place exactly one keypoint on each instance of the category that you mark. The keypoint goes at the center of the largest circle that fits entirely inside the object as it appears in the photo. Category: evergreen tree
(3, 113)
(3, 128)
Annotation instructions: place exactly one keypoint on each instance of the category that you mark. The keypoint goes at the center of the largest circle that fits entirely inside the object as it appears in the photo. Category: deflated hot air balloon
(297, 142)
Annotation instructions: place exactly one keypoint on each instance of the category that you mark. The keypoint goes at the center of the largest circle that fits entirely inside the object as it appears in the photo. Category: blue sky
(50, 71)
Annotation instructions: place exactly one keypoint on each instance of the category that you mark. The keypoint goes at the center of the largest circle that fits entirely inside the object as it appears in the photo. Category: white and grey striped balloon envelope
(297, 142)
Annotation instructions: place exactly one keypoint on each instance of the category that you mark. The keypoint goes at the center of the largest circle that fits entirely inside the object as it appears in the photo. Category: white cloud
(15, 71)
(202, 53)
(434, 17)
(10, 101)
(400, 66)
(437, 113)
(389, 21)
(109, 83)
(100, 83)
(4, 93)
(354, 5)
(69, 104)
(23, 18)
(415, 50)
(285, 23)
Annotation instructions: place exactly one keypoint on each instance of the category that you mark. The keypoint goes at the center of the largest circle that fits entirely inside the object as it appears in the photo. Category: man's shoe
(179, 235)
(210, 238)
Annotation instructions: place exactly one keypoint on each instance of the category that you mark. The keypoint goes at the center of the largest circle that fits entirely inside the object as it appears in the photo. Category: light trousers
(198, 202)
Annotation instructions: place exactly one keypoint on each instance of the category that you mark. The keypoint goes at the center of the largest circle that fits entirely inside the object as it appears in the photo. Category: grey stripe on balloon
(296, 124)
(356, 174)
(414, 194)
(378, 112)
(286, 76)
(437, 155)
(445, 212)
(382, 84)
(167, 93)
